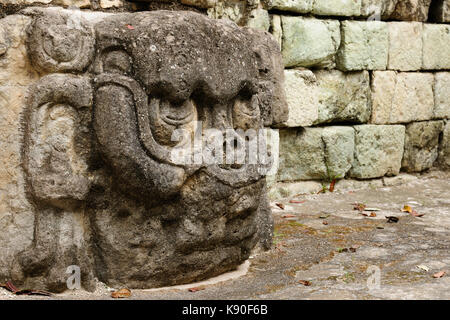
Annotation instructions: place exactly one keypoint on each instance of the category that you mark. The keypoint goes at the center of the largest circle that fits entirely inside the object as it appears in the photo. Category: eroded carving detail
(98, 147)
(60, 42)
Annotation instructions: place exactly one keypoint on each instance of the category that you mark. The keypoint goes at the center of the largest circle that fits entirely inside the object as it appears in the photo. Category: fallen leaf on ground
(359, 206)
(122, 293)
(288, 216)
(297, 201)
(325, 223)
(372, 214)
(411, 211)
(391, 219)
(423, 267)
(332, 184)
(25, 292)
(354, 247)
(324, 216)
(416, 214)
(438, 275)
(406, 208)
(280, 205)
(195, 289)
(380, 227)
(305, 282)
(130, 27)
(340, 250)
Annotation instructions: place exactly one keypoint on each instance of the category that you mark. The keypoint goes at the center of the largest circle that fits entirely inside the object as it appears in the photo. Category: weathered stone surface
(16, 215)
(401, 97)
(405, 46)
(300, 6)
(107, 4)
(200, 3)
(315, 153)
(276, 29)
(421, 145)
(440, 11)
(301, 154)
(343, 97)
(339, 144)
(401, 179)
(353, 184)
(378, 150)
(309, 42)
(442, 95)
(364, 45)
(258, 19)
(273, 148)
(15, 67)
(436, 46)
(376, 10)
(411, 10)
(88, 173)
(289, 189)
(444, 147)
(337, 7)
(231, 10)
(302, 97)
(66, 3)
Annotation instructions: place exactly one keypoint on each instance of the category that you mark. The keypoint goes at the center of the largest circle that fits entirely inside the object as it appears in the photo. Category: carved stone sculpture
(97, 147)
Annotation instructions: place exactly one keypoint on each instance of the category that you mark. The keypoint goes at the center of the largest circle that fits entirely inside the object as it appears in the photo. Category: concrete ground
(324, 242)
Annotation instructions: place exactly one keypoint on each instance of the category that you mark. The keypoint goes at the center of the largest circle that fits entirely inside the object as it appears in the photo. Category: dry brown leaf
(280, 205)
(411, 211)
(25, 292)
(297, 201)
(288, 216)
(122, 293)
(325, 223)
(373, 214)
(438, 275)
(195, 289)
(305, 282)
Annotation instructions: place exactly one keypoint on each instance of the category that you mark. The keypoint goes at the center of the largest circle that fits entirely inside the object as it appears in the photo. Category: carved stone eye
(179, 114)
(246, 113)
(167, 116)
(117, 61)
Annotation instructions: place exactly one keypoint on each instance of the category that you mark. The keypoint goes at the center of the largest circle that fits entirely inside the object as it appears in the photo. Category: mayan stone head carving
(117, 96)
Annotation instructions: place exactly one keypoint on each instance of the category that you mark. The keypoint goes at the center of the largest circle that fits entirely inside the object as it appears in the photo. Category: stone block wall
(373, 77)
(367, 81)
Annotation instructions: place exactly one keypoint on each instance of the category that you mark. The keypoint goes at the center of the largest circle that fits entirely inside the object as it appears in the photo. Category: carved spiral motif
(59, 43)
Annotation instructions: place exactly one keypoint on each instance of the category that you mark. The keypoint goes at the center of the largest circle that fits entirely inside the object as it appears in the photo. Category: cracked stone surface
(307, 249)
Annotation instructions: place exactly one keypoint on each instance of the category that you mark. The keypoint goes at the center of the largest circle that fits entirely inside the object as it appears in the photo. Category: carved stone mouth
(177, 121)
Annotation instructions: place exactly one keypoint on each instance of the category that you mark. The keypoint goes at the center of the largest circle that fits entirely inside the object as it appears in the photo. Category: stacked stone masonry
(376, 70)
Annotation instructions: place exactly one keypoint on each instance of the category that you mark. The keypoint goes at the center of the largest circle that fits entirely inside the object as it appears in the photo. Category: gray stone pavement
(325, 241)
